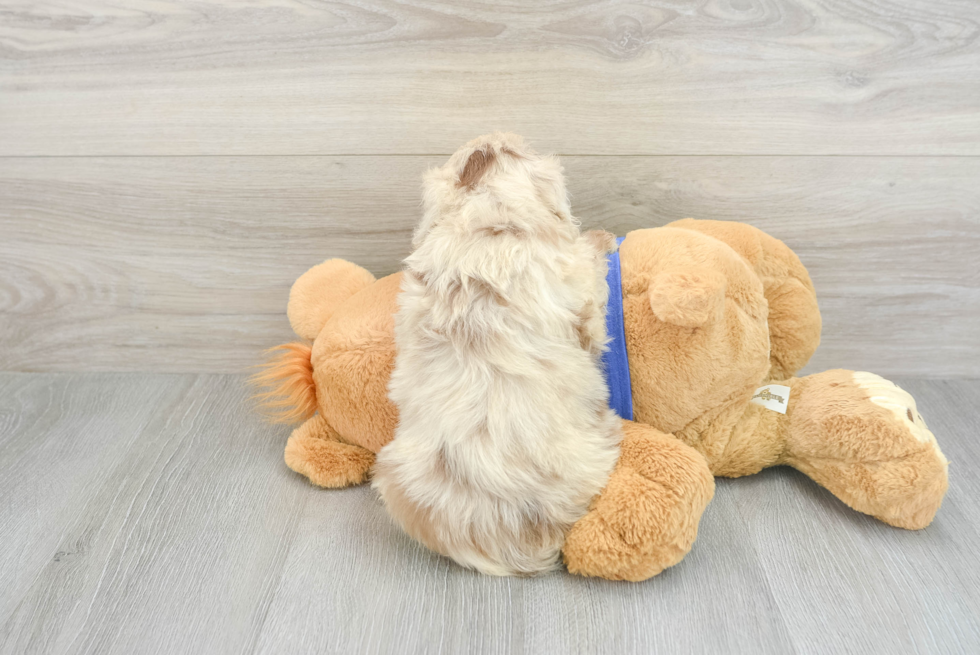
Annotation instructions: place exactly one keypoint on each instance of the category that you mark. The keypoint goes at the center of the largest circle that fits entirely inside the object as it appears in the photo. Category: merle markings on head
(497, 182)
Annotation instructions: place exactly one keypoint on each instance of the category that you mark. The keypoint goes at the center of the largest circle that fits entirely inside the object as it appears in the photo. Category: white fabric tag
(772, 396)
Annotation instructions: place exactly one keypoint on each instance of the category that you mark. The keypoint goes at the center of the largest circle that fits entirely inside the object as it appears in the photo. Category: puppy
(505, 434)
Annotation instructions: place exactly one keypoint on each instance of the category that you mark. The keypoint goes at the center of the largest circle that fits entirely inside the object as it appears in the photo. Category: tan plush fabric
(353, 357)
(318, 293)
(682, 372)
(647, 517)
(315, 450)
(857, 434)
(861, 437)
(794, 319)
(712, 311)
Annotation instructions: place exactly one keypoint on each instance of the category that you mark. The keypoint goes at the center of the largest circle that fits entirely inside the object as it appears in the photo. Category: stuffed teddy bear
(716, 319)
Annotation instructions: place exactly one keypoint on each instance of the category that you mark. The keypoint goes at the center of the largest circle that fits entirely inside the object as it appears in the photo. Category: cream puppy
(504, 433)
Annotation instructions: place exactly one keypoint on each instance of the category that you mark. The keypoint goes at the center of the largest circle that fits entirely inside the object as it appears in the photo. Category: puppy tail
(286, 392)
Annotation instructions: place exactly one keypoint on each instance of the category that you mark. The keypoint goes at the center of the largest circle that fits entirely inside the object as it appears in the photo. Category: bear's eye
(908, 411)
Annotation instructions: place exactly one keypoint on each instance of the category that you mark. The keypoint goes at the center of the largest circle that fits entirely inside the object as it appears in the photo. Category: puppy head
(496, 184)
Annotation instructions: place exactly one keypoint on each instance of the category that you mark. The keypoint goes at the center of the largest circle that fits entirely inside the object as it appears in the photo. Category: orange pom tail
(289, 393)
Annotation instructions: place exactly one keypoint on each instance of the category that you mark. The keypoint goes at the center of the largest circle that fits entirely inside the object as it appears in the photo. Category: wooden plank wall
(168, 168)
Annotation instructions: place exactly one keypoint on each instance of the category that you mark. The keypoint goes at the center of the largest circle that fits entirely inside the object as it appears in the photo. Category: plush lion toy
(716, 319)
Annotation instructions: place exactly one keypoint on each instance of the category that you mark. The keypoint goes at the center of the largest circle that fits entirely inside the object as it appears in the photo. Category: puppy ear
(603, 242)
(550, 183)
(476, 165)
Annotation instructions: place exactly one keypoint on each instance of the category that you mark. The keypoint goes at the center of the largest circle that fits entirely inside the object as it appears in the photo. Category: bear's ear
(476, 165)
(688, 297)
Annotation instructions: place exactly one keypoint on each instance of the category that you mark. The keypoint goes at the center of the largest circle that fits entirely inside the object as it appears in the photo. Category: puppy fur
(504, 434)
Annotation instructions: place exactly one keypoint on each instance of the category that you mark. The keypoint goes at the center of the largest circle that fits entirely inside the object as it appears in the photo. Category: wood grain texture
(184, 264)
(363, 566)
(180, 548)
(845, 582)
(105, 77)
(153, 514)
(60, 437)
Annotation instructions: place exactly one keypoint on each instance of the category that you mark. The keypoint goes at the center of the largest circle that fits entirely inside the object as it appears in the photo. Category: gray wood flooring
(153, 514)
